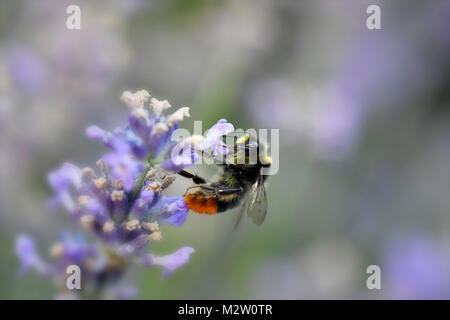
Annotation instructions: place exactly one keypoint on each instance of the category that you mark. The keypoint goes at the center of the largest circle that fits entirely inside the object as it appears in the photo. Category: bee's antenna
(186, 174)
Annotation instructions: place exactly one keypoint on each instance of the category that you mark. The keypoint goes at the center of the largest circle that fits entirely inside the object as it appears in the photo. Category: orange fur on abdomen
(198, 203)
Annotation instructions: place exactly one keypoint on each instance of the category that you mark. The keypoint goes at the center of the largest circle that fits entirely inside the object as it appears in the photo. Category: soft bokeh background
(364, 125)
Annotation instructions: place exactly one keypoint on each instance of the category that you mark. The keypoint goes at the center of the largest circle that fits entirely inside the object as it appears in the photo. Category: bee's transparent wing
(241, 211)
(257, 203)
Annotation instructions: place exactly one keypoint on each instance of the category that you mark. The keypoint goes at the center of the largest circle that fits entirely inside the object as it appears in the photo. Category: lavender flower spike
(121, 204)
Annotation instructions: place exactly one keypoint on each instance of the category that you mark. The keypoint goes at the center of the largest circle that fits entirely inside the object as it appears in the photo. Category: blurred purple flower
(97, 133)
(416, 268)
(27, 70)
(60, 181)
(65, 177)
(28, 256)
(75, 249)
(336, 125)
(170, 262)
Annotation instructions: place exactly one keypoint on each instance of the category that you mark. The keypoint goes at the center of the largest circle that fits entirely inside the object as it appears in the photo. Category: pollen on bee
(200, 204)
(243, 139)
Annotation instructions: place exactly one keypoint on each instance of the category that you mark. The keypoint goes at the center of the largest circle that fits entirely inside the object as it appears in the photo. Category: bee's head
(250, 151)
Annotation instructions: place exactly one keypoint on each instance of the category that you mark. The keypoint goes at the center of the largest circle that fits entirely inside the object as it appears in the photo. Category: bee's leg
(186, 174)
(228, 191)
(200, 188)
(203, 189)
(198, 180)
(192, 187)
(195, 178)
(208, 189)
(221, 191)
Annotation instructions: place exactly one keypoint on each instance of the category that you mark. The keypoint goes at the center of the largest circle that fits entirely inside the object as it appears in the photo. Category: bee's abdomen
(227, 202)
(197, 202)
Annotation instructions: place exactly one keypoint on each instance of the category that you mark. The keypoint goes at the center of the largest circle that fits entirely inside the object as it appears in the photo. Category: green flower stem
(137, 188)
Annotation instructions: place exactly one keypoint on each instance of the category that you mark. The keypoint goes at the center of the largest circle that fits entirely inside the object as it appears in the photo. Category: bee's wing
(257, 204)
(241, 211)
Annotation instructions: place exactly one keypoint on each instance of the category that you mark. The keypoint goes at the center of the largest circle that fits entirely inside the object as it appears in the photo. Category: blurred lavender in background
(364, 130)
(417, 268)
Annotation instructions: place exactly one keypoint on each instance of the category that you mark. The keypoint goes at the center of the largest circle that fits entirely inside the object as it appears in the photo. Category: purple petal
(142, 204)
(175, 211)
(135, 245)
(76, 250)
(123, 166)
(213, 137)
(170, 262)
(220, 147)
(28, 256)
(157, 141)
(140, 126)
(96, 133)
(136, 143)
(67, 175)
(120, 146)
(179, 158)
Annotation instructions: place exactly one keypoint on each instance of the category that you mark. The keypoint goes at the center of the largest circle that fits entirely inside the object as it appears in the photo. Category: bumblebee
(239, 182)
